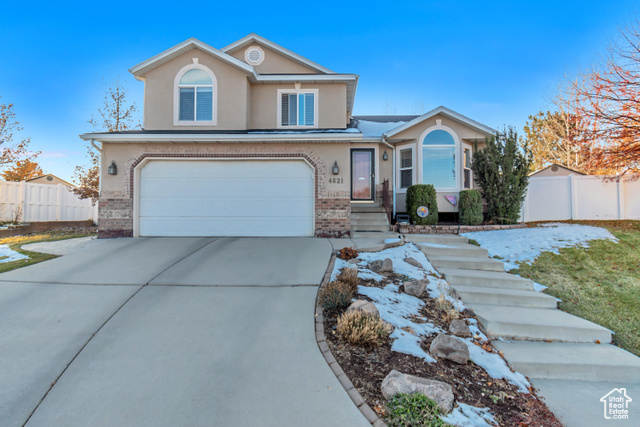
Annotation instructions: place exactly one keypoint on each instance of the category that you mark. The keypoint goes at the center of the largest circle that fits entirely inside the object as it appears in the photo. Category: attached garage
(226, 198)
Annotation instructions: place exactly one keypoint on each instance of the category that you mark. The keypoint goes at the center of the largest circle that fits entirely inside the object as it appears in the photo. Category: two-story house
(255, 140)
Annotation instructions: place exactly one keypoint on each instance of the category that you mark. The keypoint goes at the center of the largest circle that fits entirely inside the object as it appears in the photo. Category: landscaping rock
(365, 306)
(451, 348)
(381, 266)
(416, 288)
(459, 328)
(395, 244)
(354, 260)
(397, 382)
(414, 262)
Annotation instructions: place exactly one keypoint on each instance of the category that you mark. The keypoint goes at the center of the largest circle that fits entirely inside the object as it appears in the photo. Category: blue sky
(496, 62)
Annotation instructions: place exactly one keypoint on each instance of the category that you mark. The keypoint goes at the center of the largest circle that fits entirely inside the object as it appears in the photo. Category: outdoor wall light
(113, 169)
(385, 156)
(336, 169)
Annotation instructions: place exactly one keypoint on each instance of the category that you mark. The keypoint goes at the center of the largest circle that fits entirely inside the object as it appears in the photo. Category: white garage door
(226, 198)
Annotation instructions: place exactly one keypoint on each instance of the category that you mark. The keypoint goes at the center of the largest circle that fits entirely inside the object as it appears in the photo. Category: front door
(362, 176)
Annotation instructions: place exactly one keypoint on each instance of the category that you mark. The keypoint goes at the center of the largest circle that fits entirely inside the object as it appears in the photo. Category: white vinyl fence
(581, 197)
(25, 202)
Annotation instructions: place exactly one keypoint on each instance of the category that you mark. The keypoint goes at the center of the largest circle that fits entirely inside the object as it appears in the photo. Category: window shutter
(293, 106)
(309, 109)
(284, 120)
(406, 160)
(204, 104)
(187, 103)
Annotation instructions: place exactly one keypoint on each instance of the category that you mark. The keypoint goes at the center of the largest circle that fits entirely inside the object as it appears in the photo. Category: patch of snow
(348, 130)
(526, 244)
(369, 128)
(365, 274)
(337, 268)
(391, 240)
(435, 245)
(397, 255)
(10, 254)
(469, 416)
(495, 366)
(400, 311)
(475, 331)
(437, 287)
(538, 287)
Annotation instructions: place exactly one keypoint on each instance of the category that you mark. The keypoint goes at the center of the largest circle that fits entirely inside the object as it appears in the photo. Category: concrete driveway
(169, 332)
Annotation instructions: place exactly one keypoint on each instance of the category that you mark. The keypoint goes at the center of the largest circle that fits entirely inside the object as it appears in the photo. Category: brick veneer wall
(333, 209)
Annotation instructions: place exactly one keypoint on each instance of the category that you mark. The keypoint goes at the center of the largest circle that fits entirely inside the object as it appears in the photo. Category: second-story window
(298, 109)
(196, 96)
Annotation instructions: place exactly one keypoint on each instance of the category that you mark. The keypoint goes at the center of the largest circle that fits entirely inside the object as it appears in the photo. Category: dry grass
(335, 296)
(362, 329)
(450, 313)
(600, 283)
(350, 277)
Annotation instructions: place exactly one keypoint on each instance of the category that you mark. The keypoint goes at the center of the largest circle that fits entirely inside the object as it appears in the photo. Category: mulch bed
(367, 368)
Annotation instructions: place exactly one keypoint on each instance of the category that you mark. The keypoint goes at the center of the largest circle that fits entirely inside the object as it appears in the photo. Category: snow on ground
(495, 366)
(397, 255)
(469, 416)
(10, 254)
(400, 310)
(526, 244)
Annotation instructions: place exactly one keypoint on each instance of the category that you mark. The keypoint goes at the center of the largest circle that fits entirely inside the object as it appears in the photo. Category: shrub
(422, 195)
(501, 170)
(347, 253)
(415, 410)
(349, 276)
(335, 296)
(362, 329)
(470, 207)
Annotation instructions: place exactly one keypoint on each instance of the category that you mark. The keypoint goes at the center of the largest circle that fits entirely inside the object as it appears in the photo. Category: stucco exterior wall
(43, 180)
(232, 87)
(273, 63)
(559, 171)
(117, 198)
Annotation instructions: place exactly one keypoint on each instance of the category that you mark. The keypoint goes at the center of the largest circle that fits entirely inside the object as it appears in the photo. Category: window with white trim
(298, 109)
(195, 102)
(466, 166)
(405, 167)
(439, 160)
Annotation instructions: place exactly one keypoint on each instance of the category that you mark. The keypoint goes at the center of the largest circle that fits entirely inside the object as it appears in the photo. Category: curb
(357, 399)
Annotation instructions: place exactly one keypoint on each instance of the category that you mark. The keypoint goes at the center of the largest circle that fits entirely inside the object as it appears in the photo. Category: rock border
(355, 396)
(451, 229)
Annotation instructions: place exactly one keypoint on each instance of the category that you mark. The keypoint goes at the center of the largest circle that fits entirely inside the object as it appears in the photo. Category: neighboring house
(49, 179)
(554, 170)
(256, 140)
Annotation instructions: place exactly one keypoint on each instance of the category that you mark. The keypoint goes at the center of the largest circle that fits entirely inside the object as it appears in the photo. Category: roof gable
(141, 69)
(254, 38)
(445, 112)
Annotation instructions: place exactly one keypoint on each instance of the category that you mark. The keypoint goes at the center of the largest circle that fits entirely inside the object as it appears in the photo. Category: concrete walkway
(166, 332)
(570, 360)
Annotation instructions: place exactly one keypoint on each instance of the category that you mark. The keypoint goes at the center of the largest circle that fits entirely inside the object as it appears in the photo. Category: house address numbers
(336, 180)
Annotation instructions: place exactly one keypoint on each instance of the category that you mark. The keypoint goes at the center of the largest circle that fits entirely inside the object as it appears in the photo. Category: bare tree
(11, 151)
(115, 115)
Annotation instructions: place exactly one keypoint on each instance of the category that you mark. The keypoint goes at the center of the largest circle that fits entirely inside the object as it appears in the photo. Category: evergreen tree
(501, 170)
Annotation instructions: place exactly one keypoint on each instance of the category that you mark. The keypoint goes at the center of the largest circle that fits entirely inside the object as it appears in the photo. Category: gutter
(393, 178)
(173, 137)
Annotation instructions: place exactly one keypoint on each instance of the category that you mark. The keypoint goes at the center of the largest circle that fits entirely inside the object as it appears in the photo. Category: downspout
(99, 173)
(393, 178)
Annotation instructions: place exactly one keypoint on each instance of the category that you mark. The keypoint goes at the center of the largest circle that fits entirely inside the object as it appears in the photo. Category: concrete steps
(455, 249)
(367, 218)
(512, 297)
(572, 361)
(465, 263)
(487, 279)
(446, 239)
(537, 324)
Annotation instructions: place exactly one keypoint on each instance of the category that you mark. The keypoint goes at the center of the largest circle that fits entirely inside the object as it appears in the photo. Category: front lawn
(600, 283)
(16, 242)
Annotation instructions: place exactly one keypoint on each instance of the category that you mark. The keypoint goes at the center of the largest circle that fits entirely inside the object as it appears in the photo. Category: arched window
(195, 98)
(439, 160)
